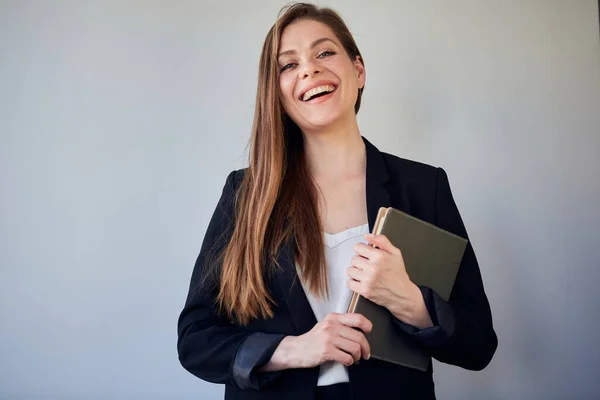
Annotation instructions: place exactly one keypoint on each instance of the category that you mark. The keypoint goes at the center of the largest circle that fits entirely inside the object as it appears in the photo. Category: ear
(360, 69)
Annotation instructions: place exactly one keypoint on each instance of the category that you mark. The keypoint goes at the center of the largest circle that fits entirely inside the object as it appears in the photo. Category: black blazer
(216, 350)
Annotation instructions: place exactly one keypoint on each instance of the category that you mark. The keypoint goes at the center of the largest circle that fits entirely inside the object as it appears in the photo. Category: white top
(339, 249)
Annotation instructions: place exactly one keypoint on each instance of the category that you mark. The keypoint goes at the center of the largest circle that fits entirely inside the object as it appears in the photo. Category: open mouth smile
(318, 92)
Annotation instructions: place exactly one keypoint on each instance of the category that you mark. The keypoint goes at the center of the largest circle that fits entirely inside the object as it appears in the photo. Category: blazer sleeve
(442, 318)
(209, 345)
(464, 332)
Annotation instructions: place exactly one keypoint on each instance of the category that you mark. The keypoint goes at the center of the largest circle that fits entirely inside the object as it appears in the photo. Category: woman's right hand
(332, 339)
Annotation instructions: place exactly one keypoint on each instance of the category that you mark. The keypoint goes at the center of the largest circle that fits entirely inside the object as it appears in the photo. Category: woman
(287, 243)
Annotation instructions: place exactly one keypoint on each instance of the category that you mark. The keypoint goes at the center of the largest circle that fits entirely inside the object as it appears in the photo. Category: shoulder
(389, 167)
(413, 174)
(225, 208)
(400, 165)
(234, 180)
(417, 187)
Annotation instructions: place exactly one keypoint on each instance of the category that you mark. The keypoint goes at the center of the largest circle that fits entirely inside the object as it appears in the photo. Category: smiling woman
(287, 243)
(325, 63)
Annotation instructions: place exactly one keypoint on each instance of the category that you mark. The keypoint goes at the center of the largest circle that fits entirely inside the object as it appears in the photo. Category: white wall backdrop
(120, 120)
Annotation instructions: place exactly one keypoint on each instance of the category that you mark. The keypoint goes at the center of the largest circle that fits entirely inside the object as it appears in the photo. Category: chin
(321, 121)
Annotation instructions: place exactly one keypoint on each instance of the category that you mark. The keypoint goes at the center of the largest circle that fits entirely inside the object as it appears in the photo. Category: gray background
(120, 120)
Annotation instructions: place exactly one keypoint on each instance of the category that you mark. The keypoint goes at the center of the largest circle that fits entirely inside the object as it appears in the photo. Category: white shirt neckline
(334, 239)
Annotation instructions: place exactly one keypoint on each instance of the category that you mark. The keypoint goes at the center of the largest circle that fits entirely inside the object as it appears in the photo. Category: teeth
(319, 89)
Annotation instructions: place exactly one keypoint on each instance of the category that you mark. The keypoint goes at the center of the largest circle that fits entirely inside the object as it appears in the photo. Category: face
(318, 81)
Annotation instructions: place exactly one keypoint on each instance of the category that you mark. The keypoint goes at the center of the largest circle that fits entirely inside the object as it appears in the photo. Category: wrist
(419, 314)
(415, 312)
(283, 357)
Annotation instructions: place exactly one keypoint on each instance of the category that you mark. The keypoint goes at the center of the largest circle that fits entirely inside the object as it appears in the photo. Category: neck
(335, 153)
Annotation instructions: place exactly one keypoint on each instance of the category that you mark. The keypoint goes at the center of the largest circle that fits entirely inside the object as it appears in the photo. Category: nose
(309, 69)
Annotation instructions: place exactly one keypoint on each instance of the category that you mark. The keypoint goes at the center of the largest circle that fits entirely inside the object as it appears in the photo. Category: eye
(326, 53)
(287, 66)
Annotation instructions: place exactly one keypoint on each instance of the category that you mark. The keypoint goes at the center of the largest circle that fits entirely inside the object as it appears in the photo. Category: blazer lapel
(377, 175)
(292, 291)
(289, 283)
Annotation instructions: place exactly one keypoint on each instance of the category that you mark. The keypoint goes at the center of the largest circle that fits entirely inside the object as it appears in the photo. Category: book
(432, 257)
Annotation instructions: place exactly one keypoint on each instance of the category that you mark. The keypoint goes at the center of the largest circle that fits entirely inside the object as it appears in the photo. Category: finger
(365, 348)
(351, 333)
(356, 320)
(359, 262)
(341, 356)
(355, 286)
(358, 337)
(332, 316)
(365, 251)
(382, 242)
(355, 273)
(348, 346)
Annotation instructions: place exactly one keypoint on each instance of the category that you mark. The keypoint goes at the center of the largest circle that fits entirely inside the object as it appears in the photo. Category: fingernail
(369, 356)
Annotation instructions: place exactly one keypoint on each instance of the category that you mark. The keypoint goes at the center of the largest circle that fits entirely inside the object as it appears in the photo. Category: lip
(316, 84)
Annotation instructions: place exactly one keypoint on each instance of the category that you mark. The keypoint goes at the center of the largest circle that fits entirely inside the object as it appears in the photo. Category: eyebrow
(312, 46)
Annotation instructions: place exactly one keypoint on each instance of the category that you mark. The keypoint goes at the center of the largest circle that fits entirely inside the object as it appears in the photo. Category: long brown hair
(277, 196)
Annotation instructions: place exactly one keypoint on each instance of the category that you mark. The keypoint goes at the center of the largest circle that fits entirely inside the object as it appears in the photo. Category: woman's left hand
(379, 275)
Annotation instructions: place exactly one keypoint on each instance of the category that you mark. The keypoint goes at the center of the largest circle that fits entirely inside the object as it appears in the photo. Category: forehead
(301, 34)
